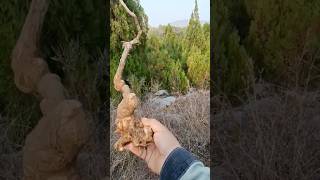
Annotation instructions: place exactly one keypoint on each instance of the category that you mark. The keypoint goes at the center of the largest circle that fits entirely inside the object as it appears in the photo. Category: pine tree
(163, 58)
(195, 13)
(197, 51)
(231, 65)
(171, 43)
(279, 36)
(198, 67)
(124, 29)
(194, 35)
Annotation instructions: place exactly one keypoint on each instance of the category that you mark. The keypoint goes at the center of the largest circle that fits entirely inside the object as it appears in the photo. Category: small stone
(162, 102)
(162, 93)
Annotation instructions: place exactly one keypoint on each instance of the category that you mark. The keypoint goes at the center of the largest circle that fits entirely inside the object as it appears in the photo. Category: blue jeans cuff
(176, 164)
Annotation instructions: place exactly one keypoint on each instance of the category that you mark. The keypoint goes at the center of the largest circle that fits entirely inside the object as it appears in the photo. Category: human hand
(156, 153)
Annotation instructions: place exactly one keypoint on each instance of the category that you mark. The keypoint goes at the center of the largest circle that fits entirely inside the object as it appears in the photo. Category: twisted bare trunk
(129, 127)
(51, 148)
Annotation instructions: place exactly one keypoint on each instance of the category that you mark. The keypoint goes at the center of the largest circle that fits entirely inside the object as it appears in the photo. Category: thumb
(155, 125)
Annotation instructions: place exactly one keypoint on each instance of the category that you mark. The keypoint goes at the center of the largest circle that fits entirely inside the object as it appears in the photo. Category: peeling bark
(128, 126)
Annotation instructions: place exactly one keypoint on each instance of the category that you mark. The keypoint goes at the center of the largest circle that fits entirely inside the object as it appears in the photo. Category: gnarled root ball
(133, 131)
(51, 148)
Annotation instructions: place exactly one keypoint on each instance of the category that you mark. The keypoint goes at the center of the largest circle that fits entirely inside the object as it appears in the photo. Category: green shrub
(232, 66)
(176, 79)
(197, 51)
(278, 39)
(199, 67)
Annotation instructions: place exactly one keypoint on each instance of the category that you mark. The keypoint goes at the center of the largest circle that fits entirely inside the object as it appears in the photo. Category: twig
(136, 39)
(127, 47)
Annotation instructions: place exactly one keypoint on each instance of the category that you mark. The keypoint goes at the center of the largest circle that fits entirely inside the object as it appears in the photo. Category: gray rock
(162, 102)
(162, 93)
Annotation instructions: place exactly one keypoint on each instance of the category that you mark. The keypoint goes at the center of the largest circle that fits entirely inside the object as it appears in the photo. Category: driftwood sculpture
(51, 148)
(128, 126)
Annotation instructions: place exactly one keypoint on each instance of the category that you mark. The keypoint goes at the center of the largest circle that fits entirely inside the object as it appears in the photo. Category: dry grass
(93, 158)
(187, 118)
(275, 135)
(91, 162)
(10, 158)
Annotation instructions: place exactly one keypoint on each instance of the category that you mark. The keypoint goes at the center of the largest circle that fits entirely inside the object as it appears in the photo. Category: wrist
(176, 164)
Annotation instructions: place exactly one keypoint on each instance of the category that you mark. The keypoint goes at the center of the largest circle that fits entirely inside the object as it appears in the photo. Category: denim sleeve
(181, 164)
(197, 171)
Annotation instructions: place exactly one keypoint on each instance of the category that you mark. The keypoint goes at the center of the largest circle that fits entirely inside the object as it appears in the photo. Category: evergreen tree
(176, 77)
(197, 51)
(231, 65)
(163, 57)
(198, 67)
(195, 13)
(123, 28)
(194, 35)
(279, 39)
(172, 43)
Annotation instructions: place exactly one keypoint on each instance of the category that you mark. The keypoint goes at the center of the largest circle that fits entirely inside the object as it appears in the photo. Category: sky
(168, 11)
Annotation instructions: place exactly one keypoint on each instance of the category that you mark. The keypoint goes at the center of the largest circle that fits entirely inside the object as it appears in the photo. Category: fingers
(155, 125)
(138, 151)
(143, 153)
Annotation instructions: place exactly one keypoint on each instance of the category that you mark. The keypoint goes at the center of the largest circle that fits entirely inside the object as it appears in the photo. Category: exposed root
(128, 126)
(51, 148)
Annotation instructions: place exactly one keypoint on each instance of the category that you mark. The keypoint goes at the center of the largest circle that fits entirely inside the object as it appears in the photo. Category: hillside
(178, 27)
(160, 30)
(184, 23)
